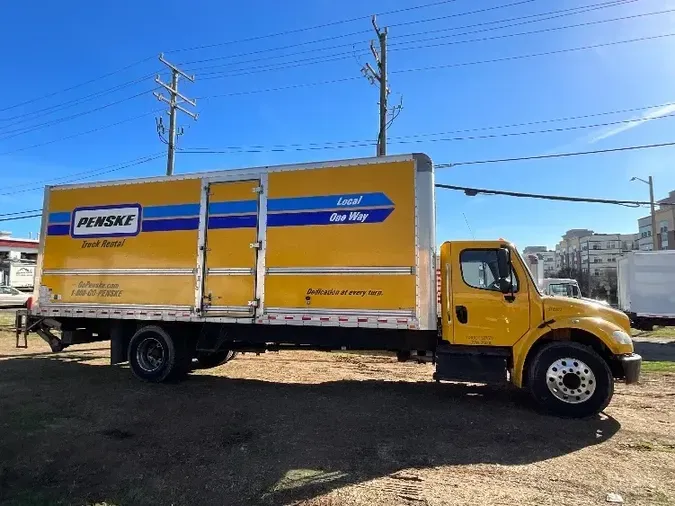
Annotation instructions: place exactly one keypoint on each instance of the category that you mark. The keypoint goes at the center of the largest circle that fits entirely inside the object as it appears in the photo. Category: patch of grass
(7, 318)
(658, 332)
(658, 366)
(650, 446)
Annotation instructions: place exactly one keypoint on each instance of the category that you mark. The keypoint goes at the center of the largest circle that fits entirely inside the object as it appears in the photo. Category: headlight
(621, 337)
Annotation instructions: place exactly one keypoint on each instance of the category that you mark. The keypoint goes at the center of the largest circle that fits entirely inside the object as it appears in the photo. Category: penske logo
(106, 221)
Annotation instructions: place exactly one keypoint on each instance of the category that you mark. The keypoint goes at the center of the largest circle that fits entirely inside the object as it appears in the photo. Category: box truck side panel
(623, 273)
(126, 290)
(231, 253)
(123, 244)
(133, 219)
(342, 240)
(342, 292)
(361, 216)
(652, 281)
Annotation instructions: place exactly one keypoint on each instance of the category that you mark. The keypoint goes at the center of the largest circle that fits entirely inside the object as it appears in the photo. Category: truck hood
(556, 308)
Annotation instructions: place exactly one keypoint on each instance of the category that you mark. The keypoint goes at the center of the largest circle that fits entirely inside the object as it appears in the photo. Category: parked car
(11, 297)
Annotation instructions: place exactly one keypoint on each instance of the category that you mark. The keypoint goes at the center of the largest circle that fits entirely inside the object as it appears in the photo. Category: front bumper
(631, 365)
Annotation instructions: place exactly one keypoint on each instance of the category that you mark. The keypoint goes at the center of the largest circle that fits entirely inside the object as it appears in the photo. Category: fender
(599, 327)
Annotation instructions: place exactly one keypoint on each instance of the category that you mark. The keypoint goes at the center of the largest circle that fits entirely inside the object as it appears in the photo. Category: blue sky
(63, 44)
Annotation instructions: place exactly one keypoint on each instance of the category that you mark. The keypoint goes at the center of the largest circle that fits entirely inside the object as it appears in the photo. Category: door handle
(462, 314)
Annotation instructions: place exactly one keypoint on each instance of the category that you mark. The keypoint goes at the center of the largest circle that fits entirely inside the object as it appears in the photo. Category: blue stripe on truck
(328, 217)
(241, 221)
(342, 201)
(59, 217)
(171, 224)
(61, 229)
(171, 211)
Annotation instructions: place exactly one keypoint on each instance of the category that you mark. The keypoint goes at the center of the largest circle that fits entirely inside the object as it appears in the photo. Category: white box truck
(646, 288)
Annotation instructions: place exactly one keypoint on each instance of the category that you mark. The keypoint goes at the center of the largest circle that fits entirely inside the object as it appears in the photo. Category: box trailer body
(334, 244)
(331, 255)
(645, 287)
(21, 275)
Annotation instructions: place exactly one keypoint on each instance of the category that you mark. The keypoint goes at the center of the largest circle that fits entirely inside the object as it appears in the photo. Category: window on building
(596, 245)
(597, 260)
(611, 245)
(663, 229)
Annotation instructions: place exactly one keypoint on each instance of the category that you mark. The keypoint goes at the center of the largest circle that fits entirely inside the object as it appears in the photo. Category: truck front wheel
(155, 356)
(570, 380)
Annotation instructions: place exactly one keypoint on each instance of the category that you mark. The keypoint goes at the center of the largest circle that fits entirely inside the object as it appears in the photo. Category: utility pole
(174, 106)
(650, 182)
(653, 211)
(381, 77)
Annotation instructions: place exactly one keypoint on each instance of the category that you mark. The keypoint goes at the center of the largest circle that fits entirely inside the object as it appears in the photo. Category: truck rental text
(188, 269)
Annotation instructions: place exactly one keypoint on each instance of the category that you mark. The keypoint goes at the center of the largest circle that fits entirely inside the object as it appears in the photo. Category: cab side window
(480, 269)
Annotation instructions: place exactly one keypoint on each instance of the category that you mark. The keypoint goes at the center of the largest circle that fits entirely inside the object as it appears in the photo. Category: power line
(583, 8)
(543, 121)
(93, 130)
(556, 155)
(475, 191)
(313, 60)
(279, 66)
(534, 55)
(22, 212)
(75, 86)
(345, 55)
(309, 28)
(22, 217)
(281, 88)
(520, 21)
(401, 139)
(520, 34)
(326, 39)
(79, 176)
(33, 128)
(76, 101)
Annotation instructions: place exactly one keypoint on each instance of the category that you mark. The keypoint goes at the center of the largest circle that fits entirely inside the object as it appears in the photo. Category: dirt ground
(316, 429)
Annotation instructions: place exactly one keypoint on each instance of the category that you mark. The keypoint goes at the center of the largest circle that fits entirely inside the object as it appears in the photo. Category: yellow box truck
(330, 256)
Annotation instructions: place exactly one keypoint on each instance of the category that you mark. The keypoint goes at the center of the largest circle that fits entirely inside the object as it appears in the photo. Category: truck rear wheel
(155, 356)
(570, 380)
(210, 360)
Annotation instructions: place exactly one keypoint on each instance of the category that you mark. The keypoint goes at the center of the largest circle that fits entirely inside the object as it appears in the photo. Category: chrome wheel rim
(571, 380)
(150, 354)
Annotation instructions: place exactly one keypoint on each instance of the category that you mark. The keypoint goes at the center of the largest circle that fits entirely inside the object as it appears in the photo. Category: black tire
(211, 360)
(561, 399)
(155, 356)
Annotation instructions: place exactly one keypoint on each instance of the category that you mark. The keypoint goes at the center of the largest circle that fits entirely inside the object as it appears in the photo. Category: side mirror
(505, 286)
(504, 263)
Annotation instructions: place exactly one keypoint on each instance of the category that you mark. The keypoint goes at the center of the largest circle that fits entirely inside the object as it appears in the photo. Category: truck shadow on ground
(82, 434)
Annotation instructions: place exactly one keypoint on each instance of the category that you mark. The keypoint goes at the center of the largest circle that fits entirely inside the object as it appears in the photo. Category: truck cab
(560, 287)
(567, 351)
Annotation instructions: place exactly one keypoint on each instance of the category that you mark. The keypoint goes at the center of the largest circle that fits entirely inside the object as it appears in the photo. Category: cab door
(482, 314)
(231, 249)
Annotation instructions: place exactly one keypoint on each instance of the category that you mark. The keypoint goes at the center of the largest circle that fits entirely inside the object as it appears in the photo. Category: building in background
(545, 256)
(665, 223)
(592, 258)
(17, 261)
(568, 251)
